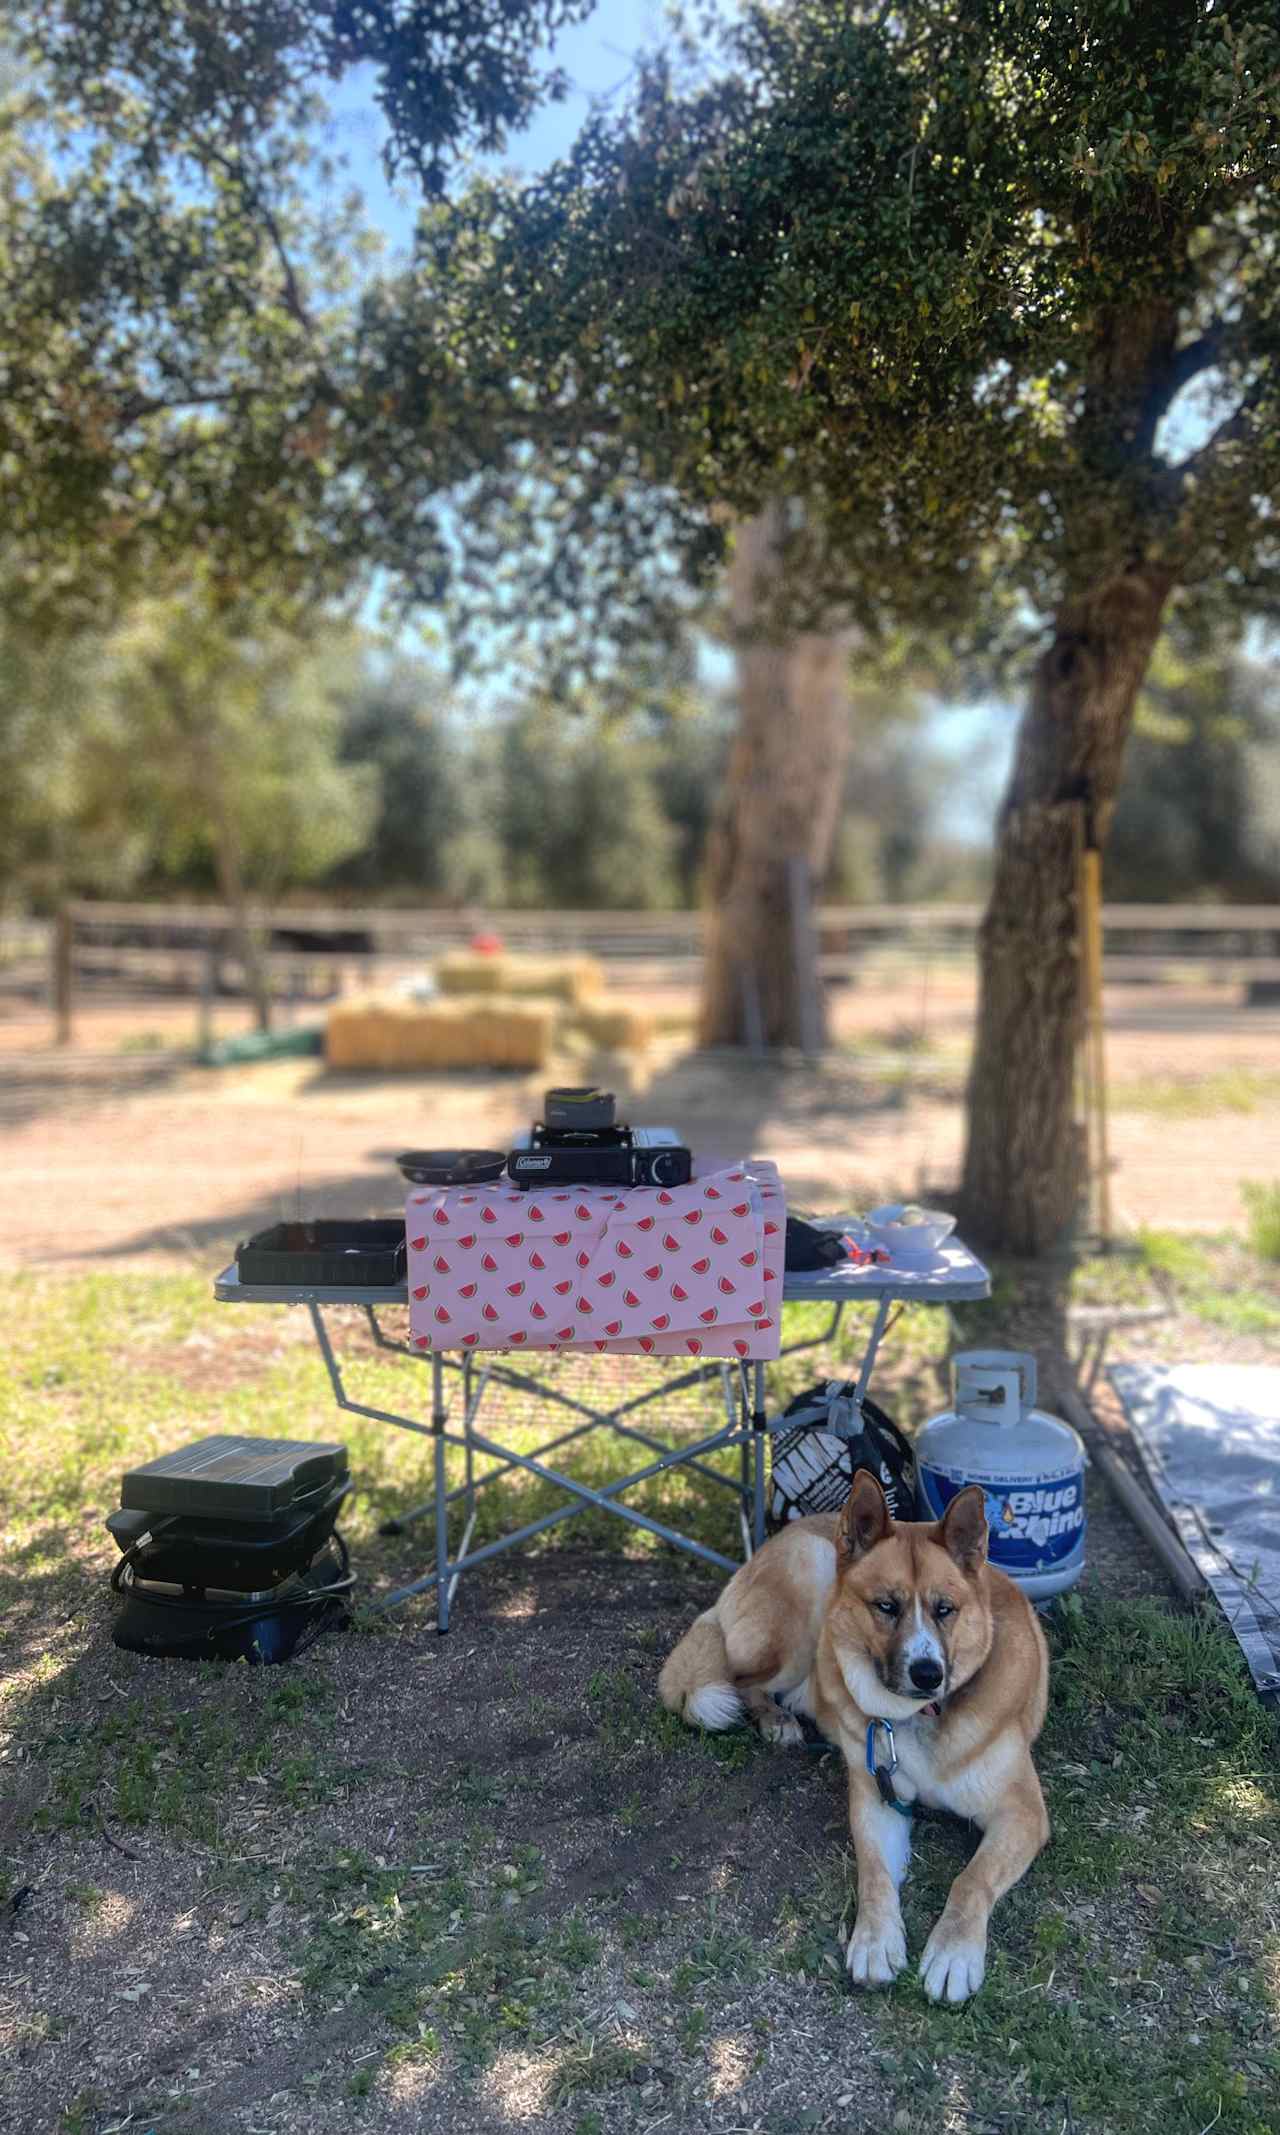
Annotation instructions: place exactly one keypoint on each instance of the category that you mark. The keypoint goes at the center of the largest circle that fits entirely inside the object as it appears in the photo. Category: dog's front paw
(876, 1953)
(954, 1962)
(780, 1729)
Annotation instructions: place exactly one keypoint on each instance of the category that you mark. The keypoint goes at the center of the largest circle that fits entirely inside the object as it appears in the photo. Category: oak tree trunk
(1024, 1167)
(770, 844)
(206, 745)
(230, 873)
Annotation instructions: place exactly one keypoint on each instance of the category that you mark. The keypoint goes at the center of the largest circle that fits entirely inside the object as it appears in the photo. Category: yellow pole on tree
(1095, 1072)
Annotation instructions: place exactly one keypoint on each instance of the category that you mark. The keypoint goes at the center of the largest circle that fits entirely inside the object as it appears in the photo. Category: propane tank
(1030, 1465)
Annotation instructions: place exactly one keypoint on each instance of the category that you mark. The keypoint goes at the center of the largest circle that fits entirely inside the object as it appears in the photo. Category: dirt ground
(117, 1149)
(479, 1884)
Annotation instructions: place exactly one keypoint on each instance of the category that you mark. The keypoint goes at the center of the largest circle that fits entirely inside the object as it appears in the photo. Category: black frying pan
(450, 1167)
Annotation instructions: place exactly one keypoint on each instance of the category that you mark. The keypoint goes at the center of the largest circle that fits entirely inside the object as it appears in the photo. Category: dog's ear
(865, 1520)
(962, 1529)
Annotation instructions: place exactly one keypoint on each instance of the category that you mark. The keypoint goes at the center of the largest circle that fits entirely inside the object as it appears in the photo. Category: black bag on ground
(824, 1442)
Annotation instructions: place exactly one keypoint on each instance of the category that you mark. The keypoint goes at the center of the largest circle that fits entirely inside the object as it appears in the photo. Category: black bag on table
(808, 1248)
(813, 1465)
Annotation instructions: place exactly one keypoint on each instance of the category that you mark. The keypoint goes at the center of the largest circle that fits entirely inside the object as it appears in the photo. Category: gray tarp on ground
(1210, 1437)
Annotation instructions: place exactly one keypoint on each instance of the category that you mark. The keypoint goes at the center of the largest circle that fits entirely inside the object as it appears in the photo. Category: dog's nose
(925, 1674)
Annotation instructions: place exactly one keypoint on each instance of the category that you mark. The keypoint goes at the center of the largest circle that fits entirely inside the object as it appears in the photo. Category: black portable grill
(229, 1548)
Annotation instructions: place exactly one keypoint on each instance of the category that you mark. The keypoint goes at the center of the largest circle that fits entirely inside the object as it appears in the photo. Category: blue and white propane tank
(1030, 1465)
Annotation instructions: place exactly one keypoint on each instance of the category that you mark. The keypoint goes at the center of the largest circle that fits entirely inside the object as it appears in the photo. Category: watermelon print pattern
(687, 1271)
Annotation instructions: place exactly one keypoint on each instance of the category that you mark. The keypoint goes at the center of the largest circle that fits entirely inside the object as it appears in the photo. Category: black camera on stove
(580, 1142)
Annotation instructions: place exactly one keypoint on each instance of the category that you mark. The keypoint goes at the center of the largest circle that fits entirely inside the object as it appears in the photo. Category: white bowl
(918, 1239)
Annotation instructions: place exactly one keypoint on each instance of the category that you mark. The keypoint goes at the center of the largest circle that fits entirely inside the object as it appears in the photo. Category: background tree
(1199, 807)
(910, 827)
(944, 275)
(931, 281)
(579, 815)
(62, 830)
(772, 834)
(691, 742)
(400, 723)
(224, 748)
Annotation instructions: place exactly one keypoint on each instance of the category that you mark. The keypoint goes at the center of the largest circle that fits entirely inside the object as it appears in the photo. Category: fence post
(752, 1017)
(63, 973)
(804, 948)
(208, 990)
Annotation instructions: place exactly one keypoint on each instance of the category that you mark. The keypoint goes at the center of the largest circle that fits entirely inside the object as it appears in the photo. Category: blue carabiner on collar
(883, 1773)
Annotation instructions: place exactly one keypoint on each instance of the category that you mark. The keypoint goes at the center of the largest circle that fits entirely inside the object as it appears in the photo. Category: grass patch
(1214, 1280)
(461, 1942)
(597, 2066)
(101, 1372)
(721, 1955)
(1262, 1208)
(145, 1041)
(1117, 1279)
(1229, 1090)
(1160, 1772)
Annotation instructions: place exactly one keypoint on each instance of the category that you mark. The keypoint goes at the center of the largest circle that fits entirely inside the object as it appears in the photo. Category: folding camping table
(954, 1277)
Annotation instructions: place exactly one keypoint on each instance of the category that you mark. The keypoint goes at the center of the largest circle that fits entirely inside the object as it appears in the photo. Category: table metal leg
(608, 1419)
(749, 1436)
(340, 1394)
(471, 1403)
(759, 1422)
(579, 1495)
(439, 1416)
(877, 1334)
(401, 1522)
(468, 1410)
(736, 1411)
(602, 1498)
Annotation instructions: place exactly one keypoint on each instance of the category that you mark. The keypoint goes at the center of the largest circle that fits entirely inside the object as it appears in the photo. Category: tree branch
(139, 405)
(1186, 363)
(295, 302)
(1231, 430)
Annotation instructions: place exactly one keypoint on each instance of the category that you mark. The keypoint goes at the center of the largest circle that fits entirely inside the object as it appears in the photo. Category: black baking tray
(326, 1254)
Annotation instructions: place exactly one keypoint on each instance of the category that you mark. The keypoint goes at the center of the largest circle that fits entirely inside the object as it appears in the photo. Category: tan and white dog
(927, 1666)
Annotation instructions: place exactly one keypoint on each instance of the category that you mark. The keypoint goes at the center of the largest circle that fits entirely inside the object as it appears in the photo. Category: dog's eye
(887, 1606)
(943, 1609)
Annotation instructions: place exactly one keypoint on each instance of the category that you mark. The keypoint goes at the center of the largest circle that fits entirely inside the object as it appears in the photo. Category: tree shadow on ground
(722, 1105)
(32, 1088)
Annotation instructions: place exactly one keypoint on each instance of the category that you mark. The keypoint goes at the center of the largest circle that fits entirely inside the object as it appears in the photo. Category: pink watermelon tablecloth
(690, 1270)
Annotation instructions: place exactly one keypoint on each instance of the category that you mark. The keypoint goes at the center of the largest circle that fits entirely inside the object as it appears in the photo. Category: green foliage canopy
(938, 272)
(184, 366)
(449, 74)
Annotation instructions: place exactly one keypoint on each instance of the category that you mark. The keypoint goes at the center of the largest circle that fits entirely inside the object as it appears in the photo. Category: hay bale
(614, 1025)
(392, 1033)
(565, 978)
(504, 1033)
(358, 1033)
(421, 1036)
(461, 972)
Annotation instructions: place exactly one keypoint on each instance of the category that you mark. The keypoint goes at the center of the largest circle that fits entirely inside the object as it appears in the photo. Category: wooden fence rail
(617, 930)
(189, 948)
